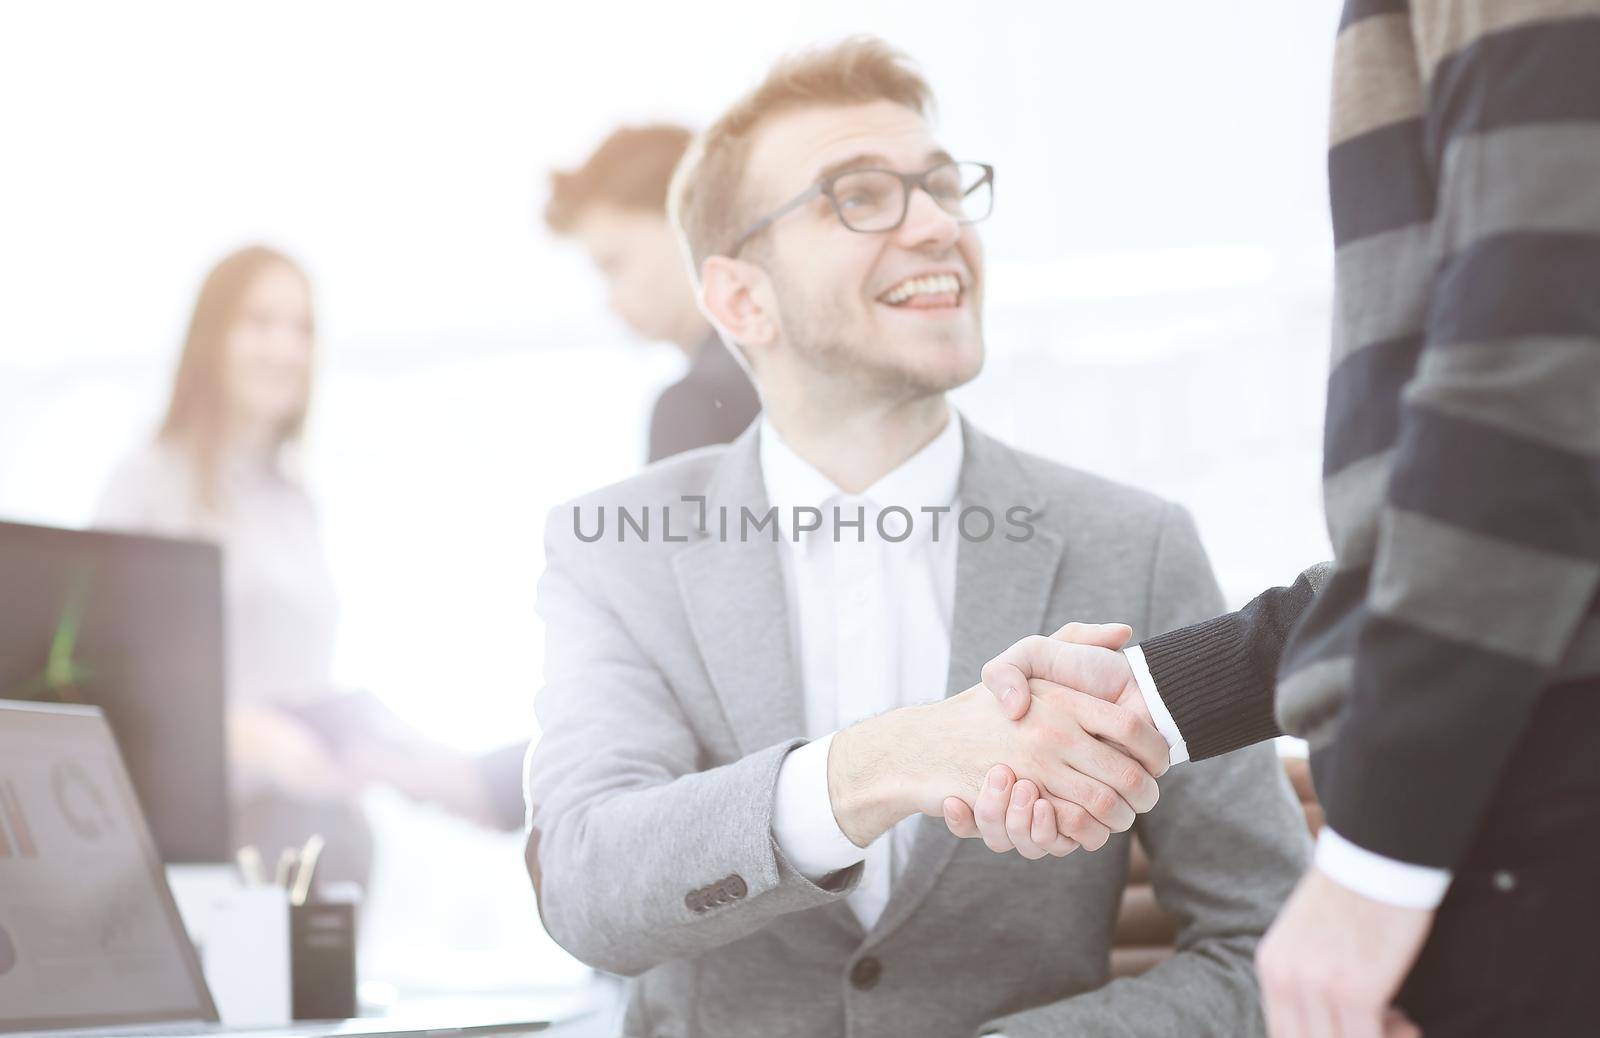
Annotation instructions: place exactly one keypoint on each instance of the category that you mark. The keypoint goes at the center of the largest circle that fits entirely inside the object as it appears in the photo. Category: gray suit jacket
(672, 697)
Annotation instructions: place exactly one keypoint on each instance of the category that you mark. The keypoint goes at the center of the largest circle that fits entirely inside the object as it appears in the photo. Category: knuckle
(1126, 725)
(1129, 777)
(1102, 803)
(1079, 824)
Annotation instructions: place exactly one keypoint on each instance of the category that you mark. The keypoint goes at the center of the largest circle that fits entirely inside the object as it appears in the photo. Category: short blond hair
(709, 201)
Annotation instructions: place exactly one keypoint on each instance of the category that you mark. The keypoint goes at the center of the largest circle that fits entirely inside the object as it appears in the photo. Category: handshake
(1055, 750)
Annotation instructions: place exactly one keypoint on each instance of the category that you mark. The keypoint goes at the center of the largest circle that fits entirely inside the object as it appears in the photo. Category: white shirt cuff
(802, 815)
(1372, 875)
(1158, 710)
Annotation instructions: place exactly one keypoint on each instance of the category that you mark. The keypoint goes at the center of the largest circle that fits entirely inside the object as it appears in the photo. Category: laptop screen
(132, 625)
(89, 935)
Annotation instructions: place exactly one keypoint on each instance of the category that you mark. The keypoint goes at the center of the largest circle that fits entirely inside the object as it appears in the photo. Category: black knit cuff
(1205, 676)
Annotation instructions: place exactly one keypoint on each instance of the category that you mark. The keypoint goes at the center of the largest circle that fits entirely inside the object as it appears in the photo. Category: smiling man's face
(899, 312)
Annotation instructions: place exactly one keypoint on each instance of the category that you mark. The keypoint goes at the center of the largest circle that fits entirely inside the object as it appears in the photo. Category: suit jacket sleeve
(1218, 677)
(639, 853)
(1227, 843)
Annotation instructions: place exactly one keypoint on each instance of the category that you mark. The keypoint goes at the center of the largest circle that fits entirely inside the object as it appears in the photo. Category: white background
(1159, 285)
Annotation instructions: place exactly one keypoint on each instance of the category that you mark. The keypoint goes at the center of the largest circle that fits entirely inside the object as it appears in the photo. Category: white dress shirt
(1356, 868)
(870, 620)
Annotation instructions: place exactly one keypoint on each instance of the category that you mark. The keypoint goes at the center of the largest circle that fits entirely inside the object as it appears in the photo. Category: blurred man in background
(616, 205)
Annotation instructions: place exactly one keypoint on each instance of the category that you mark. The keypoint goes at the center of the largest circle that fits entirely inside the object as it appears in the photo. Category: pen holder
(322, 939)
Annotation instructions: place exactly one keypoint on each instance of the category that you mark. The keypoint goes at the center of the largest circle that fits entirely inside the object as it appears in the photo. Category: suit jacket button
(737, 887)
(695, 901)
(719, 895)
(866, 973)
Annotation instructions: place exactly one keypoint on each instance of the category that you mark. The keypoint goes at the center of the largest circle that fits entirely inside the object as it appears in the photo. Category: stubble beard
(834, 341)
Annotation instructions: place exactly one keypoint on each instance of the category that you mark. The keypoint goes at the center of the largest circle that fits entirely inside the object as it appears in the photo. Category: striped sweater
(1462, 441)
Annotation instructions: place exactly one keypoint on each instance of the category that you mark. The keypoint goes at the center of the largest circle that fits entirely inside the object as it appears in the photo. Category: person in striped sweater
(1445, 668)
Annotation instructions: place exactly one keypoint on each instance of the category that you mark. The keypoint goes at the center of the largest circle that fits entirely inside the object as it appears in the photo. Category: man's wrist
(866, 784)
(803, 823)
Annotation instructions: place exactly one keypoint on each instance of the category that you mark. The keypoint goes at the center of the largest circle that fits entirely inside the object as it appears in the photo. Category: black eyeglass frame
(908, 181)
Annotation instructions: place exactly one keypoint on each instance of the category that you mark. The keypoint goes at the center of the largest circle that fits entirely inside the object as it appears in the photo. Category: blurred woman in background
(222, 468)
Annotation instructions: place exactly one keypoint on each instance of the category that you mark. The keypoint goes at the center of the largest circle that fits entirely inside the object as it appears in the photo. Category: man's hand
(1095, 760)
(1011, 815)
(1016, 815)
(1332, 963)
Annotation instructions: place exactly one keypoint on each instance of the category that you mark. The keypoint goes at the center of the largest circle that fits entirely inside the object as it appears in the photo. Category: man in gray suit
(748, 646)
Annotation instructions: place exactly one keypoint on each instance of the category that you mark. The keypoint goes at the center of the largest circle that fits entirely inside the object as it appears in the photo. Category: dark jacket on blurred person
(713, 403)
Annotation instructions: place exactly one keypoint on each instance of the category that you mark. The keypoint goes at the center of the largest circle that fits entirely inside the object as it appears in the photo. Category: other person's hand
(272, 748)
(426, 772)
(1080, 656)
(1096, 761)
(1332, 962)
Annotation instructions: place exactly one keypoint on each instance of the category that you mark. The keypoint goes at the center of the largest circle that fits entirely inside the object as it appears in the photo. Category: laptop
(90, 940)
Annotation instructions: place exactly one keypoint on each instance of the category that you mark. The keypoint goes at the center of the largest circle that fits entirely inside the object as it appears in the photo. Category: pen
(286, 861)
(250, 867)
(308, 865)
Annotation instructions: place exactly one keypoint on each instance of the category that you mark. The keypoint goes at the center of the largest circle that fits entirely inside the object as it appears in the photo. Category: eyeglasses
(872, 201)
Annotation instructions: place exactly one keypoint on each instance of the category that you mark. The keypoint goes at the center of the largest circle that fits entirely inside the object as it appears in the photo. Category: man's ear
(737, 297)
